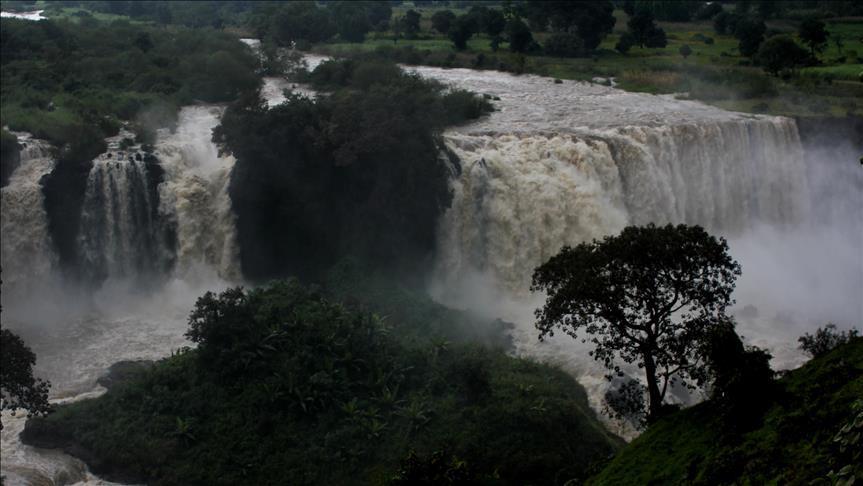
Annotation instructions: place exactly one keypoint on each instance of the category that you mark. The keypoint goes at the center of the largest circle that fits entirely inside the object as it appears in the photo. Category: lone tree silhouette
(647, 296)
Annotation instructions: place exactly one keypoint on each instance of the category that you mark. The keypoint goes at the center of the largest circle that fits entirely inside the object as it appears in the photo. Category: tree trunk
(654, 405)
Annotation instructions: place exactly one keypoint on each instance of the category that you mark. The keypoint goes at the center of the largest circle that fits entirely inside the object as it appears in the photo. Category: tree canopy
(647, 296)
(813, 34)
(780, 53)
(645, 32)
(355, 172)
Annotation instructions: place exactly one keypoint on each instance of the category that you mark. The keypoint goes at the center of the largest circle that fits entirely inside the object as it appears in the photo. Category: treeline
(354, 172)
(74, 84)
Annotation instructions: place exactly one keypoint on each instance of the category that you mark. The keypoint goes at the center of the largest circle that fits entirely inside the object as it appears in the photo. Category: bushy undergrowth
(287, 387)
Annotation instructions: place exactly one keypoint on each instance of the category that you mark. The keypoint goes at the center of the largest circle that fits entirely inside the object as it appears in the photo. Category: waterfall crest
(521, 196)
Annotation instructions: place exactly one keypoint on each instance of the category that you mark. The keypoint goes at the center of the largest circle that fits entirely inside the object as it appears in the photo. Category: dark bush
(564, 45)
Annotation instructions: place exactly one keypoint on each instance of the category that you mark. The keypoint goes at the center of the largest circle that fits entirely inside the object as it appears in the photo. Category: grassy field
(715, 72)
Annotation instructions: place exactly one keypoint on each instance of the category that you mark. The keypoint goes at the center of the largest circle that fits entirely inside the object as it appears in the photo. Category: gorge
(555, 164)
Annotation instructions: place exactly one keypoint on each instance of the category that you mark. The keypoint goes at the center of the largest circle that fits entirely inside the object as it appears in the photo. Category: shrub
(564, 45)
(685, 50)
(625, 43)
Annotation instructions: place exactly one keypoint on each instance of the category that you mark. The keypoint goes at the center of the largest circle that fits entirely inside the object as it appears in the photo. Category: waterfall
(521, 196)
(27, 256)
(194, 194)
(121, 236)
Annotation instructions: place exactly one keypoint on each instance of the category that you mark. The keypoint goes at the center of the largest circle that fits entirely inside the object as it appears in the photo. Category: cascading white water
(522, 196)
(27, 256)
(120, 235)
(195, 194)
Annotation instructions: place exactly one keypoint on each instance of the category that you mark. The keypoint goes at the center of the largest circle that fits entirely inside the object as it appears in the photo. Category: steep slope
(793, 444)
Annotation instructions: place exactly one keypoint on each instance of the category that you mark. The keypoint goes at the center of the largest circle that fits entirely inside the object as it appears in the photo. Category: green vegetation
(792, 441)
(287, 386)
(357, 172)
(74, 84)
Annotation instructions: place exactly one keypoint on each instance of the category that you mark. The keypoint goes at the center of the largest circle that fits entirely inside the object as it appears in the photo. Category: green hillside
(793, 444)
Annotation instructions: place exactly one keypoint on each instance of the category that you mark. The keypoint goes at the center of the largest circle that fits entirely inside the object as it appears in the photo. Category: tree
(750, 33)
(824, 340)
(726, 22)
(838, 41)
(591, 21)
(739, 378)
(708, 11)
(493, 22)
(670, 10)
(564, 45)
(18, 388)
(351, 19)
(645, 32)
(379, 13)
(461, 31)
(442, 20)
(685, 50)
(411, 23)
(780, 53)
(142, 41)
(813, 34)
(625, 43)
(647, 296)
(519, 36)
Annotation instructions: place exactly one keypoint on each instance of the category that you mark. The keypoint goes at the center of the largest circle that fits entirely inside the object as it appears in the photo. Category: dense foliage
(289, 387)
(780, 54)
(355, 172)
(645, 32)
(800, 437)
(650, 295)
